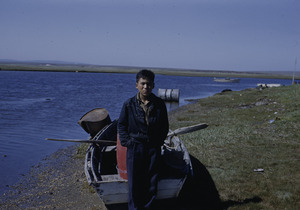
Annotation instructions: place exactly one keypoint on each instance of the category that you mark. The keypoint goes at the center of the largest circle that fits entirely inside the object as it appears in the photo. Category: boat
(227, 79)
(105, 160)
(103, 172)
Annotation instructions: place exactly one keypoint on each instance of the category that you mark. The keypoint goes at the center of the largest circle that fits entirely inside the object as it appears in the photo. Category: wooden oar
(176, 132)
(188, 129)
(85, 141)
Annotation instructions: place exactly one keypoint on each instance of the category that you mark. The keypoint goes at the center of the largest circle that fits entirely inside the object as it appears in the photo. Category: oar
(188, 129)
(85, 141)
(178, 131)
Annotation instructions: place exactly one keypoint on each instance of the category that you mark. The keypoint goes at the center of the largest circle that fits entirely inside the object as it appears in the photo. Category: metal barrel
(168, 94)
(93, 121)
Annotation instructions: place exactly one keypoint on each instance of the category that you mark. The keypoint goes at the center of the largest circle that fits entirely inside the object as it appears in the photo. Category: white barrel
(168, 94)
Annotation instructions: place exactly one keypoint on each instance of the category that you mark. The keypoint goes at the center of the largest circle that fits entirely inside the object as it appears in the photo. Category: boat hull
(101, 169)
(116, 191)
(228, 80)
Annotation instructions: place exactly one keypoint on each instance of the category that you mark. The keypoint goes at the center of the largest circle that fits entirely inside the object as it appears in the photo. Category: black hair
(145, 74)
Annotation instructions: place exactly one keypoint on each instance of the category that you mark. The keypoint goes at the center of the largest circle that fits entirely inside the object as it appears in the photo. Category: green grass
(247, 130)
(81, 151)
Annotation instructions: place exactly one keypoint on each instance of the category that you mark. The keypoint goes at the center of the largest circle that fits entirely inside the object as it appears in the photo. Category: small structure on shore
(260, 85)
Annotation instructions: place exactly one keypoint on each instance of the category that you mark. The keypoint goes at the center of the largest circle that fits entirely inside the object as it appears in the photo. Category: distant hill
(53, 62)
(285, 73)
(52, 65)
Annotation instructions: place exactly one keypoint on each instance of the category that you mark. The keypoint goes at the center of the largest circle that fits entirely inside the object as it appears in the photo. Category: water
(39, 105)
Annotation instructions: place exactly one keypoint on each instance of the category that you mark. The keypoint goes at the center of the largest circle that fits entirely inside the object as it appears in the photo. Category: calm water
(39, 105)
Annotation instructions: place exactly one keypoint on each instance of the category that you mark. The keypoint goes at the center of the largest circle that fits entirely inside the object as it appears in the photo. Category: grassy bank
(248, 130)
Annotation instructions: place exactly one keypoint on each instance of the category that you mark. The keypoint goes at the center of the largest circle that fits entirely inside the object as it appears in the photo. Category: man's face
(145, 86)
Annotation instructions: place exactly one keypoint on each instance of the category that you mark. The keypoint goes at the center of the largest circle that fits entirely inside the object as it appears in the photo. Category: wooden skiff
(227, 79)
(102, 172)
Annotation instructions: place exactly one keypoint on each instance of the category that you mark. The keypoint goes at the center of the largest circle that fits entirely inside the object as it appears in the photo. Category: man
(143, 126)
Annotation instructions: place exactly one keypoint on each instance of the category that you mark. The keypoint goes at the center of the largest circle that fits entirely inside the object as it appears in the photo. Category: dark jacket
(132, 127)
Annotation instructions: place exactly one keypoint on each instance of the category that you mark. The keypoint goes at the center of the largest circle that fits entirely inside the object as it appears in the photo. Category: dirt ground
(58, 182)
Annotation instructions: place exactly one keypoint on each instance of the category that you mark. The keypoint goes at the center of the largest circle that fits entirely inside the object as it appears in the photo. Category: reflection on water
(172, 105)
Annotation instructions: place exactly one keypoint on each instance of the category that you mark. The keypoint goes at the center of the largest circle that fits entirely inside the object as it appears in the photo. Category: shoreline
(58, 181)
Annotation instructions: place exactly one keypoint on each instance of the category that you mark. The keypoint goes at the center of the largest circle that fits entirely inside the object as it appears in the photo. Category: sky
(238, 35)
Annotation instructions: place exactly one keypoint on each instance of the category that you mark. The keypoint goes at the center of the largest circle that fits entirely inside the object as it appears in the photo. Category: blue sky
(239, 35)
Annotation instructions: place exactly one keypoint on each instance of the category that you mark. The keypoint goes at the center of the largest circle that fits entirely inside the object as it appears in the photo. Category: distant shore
(133, 70)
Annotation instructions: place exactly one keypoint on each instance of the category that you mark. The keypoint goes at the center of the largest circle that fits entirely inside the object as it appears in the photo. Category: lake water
(39, 105)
